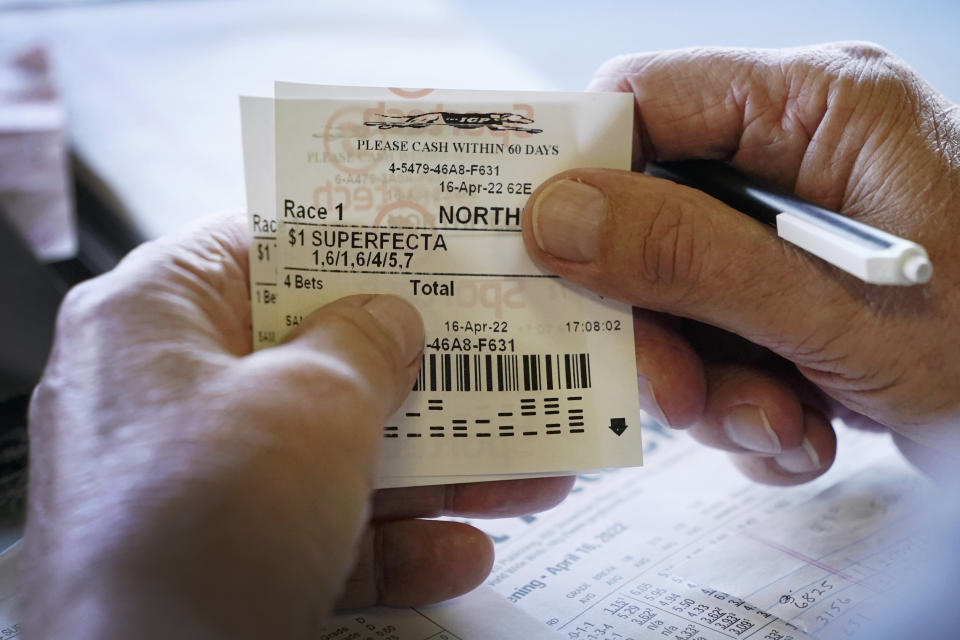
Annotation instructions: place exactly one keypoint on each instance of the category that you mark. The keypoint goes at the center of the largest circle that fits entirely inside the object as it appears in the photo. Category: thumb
(367, 345)
(334, 381)
(319, 401)
(669, 248)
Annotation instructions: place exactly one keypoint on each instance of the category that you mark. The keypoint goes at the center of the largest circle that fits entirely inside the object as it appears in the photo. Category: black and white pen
(872, 255)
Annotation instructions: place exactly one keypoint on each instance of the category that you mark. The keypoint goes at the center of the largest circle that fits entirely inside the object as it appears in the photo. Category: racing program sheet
(688, 549)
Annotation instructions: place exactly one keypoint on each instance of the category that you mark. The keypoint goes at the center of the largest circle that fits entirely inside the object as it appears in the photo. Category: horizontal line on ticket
(264, 284)
(264, 237)
(390, 226)
(426, 273)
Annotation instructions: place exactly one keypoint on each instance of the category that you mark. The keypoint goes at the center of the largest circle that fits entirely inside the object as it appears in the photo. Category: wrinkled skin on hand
(181, 485)
(751, 342)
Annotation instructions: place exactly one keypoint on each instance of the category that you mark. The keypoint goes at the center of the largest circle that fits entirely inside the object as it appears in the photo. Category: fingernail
(566, 220)
(648, 401)
(747, 425)
(802, 459)
(401, 321)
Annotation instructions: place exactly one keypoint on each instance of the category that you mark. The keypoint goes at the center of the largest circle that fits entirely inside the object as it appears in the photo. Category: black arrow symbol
(618, 425)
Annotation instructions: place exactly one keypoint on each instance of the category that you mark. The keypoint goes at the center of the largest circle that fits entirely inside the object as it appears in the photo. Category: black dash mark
(389, 435)
(459, 435)
(494, 121)
(504, 427)
(483, 435)
(412, 414)
(482, 421)
(436, 435)
(505, 414)
(529, 433)
(576, 430)
(436, 428)
(528, 413)
(413, 435)
(618, 425)
(390, 428)
(576, 424)
(552, 432)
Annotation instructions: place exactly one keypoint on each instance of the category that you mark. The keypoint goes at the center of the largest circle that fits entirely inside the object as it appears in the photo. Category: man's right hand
(753, 342)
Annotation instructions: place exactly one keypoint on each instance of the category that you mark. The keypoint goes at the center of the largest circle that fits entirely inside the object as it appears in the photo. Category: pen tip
(917, 269)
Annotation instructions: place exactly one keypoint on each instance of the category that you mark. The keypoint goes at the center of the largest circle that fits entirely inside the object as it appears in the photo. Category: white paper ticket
(419, 194)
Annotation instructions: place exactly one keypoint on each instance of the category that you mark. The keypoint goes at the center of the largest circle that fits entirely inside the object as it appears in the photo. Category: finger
(497, 499)
(749, 411)
(670, 377)
(799, 464)
(189, 287)
(698, 103)
(371, 342)
(332, 383)
(415, 562)
(668, 248)
(784, 115)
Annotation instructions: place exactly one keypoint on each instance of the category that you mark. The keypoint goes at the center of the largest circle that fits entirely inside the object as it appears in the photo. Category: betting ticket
(419, 193)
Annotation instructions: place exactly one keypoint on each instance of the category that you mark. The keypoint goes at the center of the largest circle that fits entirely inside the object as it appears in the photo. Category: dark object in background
(30, 298)
(31, 293)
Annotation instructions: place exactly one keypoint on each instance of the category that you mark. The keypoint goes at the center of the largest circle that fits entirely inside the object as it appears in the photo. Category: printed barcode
(503, 372)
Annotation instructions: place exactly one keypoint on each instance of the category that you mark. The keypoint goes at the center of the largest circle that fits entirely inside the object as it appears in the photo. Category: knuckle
(675, 247)
(868, 67)
(91, 301)
(863, 50)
